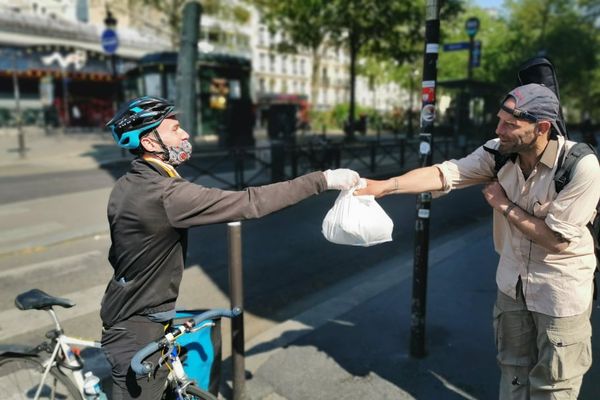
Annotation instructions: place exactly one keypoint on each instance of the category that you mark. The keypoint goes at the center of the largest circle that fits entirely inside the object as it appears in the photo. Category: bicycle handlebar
(137, 365)
(144, 368)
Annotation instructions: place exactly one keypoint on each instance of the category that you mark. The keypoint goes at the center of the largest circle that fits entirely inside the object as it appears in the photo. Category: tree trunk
(349, 131)
(314, 78)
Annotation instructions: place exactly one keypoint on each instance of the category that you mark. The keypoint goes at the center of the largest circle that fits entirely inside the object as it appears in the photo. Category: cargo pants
(540, 356)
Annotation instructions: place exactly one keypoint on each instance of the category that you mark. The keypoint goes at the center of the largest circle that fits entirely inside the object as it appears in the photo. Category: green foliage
(559, 29)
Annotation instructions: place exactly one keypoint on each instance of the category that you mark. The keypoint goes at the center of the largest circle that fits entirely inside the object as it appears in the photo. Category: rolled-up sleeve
(576, 203)
(476, 168)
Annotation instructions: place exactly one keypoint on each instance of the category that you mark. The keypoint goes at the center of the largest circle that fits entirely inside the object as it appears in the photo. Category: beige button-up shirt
(556, 284)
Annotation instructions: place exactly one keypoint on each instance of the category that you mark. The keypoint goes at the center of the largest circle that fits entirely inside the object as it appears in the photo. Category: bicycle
(181, 384)
(25, 373)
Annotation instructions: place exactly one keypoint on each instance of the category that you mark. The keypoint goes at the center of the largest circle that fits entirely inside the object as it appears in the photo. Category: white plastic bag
(357, 221)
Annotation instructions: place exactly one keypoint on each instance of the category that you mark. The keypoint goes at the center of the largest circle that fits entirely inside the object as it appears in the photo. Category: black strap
(566, 165)
(500, 159)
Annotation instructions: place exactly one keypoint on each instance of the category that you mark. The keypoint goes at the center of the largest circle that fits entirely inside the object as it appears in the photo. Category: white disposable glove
(341, 178)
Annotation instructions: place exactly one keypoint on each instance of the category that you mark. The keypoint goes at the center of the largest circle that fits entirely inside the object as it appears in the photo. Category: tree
(172, 9)
(562, 31)
(385, 29)
(304, 26)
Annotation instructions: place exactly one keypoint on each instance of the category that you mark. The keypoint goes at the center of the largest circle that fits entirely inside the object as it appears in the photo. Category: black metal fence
(245, 166)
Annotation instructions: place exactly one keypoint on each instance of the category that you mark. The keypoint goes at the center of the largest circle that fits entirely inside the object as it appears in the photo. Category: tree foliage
(562, 30)
(304, 24)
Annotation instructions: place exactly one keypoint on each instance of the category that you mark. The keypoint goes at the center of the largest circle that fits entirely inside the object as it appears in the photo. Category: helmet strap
(164, 154)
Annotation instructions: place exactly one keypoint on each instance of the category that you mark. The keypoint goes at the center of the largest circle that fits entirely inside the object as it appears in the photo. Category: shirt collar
(550, 153)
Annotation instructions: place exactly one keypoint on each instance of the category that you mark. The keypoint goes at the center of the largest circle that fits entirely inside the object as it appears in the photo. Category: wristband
(508, 209)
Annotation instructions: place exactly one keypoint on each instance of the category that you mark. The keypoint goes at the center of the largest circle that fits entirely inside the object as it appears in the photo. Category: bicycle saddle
(40, 300)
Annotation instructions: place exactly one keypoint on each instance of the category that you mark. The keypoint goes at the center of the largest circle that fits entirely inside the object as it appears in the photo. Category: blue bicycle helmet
(138, 117)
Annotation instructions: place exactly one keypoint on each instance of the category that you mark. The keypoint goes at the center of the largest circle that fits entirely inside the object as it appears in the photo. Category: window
(272, 62)
(152, 84)
(262, 62)
(284, 64)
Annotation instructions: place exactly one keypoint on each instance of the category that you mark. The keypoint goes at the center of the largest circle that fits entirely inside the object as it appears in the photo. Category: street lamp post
(110, 42)
(18, 116)
(110, 22)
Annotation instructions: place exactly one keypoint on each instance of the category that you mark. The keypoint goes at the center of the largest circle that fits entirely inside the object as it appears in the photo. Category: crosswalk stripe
(51, 264)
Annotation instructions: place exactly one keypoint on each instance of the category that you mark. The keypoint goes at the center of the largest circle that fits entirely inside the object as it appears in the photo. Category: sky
(488, 3)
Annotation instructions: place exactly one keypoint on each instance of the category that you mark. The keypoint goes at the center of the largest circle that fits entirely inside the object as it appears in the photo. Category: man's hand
(495, 195)
(374, 188)
(341, 178)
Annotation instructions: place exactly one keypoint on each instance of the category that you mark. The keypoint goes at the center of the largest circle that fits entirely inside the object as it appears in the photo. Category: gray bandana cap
(536, 100)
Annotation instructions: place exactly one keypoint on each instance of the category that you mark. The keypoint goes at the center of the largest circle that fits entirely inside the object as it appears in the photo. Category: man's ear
(544, 127)
(148, 144)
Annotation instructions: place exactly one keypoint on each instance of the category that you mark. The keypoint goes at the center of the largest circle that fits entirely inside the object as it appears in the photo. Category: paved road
(285, 260)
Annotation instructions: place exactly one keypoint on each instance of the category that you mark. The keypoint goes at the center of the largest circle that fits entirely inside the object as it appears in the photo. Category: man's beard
(519, 147)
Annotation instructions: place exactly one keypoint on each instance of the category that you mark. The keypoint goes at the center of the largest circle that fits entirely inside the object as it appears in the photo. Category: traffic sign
(110, 41)
(472, 26)
(456, 46)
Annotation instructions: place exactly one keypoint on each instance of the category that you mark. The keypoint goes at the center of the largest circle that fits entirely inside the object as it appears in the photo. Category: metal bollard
(236, 295)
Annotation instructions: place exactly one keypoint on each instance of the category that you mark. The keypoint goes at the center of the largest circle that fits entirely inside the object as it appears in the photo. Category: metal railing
(240, 167)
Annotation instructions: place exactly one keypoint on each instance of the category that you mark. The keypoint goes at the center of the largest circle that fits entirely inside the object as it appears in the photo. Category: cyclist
(149, 211)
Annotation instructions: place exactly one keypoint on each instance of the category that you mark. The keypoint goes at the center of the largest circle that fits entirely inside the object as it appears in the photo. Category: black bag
(540, 70)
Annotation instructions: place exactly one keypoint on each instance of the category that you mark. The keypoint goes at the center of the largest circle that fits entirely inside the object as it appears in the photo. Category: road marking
(451, 387)
(8, 210)
(17, 322)
(11, 235)
(79, 259)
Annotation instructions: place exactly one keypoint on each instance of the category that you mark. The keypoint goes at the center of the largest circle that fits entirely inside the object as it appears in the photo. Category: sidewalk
(355, 345)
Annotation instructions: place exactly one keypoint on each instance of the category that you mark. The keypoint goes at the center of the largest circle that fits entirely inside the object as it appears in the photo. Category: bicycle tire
(193, 392)
(20, 378)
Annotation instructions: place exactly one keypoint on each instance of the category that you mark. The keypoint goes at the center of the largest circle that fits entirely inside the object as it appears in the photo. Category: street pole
(65, 99)
(236, 294)
(419, 296)
(470, 66)
(186, 68)
(18, 117)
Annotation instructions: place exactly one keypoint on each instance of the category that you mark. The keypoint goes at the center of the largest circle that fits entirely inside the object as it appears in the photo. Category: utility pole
(419, 295)
(18, 116)
(187, 62)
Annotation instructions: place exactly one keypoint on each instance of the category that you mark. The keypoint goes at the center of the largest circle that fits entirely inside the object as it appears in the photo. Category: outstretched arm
(418, 180)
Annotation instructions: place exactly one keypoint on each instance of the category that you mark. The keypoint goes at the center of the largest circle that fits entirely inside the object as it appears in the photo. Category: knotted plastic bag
(357, 221)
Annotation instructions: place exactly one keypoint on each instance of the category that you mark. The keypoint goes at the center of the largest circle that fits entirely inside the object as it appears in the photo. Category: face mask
(180, 154)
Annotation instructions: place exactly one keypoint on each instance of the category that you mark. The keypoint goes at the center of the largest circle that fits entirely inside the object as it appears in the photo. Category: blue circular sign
(472, 26)
(110, 41)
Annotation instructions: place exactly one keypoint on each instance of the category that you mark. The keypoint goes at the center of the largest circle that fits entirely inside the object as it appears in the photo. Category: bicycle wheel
(195, 393)
(20, 378)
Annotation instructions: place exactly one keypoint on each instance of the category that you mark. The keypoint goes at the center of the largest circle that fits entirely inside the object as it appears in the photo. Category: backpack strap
(500, 159)
(566, 165)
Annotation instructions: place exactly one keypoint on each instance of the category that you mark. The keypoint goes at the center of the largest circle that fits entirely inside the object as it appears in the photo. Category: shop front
(59, 86)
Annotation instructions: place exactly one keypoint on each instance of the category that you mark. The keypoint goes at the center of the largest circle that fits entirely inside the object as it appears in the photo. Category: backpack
(540, 70)
(564, 174)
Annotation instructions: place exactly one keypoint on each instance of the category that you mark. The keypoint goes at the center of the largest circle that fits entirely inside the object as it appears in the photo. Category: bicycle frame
(63, 345)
